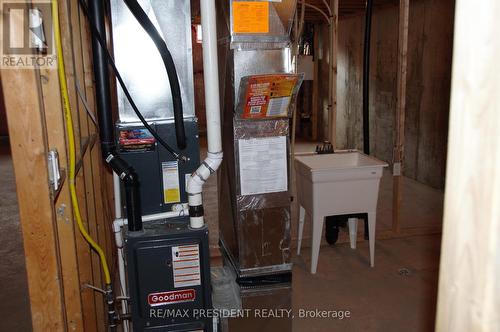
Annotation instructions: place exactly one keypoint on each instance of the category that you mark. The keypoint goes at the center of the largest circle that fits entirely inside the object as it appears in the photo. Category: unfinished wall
(59, 262)
(428, 86)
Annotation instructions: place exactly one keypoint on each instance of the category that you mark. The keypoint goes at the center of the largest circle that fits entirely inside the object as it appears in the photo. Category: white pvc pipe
(120, 222)
(211, 75)
(212, 105)
(123, 287)
(118, 196)
(119, 246)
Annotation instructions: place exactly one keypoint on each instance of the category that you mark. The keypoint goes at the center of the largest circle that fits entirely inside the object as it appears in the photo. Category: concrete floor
(14, 303)
(379, 298)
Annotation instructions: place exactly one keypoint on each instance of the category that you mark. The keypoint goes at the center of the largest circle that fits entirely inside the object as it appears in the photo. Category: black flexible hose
(366, 87)
(148, 26)
(366, 77)
(98, 37)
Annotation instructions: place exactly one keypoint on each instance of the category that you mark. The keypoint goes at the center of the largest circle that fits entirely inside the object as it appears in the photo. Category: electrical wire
(111, 61)
(85, 103)
(97, 289)
(71, 144)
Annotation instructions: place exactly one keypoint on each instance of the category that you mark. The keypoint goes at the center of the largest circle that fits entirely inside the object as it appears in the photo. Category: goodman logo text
(163, 298)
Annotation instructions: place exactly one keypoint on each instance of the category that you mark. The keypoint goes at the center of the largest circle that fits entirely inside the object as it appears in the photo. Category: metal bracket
(54, 172)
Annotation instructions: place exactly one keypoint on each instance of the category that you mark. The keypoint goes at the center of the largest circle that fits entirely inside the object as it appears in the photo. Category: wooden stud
(56, 134)
(81, 134)
(315, 111)
(85, 124)
(38, 223)
(333, 45)
(399, 135)
(469, 283)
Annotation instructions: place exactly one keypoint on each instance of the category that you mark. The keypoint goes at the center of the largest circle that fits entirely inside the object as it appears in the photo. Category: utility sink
(344, 183)
(338, 166)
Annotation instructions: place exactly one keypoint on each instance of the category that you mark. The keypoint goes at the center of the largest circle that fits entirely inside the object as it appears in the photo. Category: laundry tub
(341, 183)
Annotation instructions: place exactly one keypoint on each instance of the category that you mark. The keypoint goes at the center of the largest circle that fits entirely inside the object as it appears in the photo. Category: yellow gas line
(71, 143)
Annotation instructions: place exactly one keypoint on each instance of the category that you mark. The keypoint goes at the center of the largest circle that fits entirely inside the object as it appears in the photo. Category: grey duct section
(254, 229)
(140, 64)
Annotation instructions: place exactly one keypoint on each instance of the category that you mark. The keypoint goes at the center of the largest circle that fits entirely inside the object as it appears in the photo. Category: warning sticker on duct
(263, 165)
(267, 96)
(186, 265)
(171, 190)
(250, 17)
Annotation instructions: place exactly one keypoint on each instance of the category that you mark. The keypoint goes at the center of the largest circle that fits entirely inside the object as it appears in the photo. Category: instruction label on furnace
(170, 174)
(263, 165)
(267, 96)
(250, 17)
(186, 265)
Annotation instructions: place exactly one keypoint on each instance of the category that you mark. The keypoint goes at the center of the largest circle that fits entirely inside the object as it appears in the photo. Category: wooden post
(469, 282)
(399, 135)
(72, 58)
(56, 133)
(333, 45)
(38, 223)
(315, 112)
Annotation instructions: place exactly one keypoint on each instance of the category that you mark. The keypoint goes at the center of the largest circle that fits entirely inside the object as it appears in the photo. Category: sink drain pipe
(366, 87)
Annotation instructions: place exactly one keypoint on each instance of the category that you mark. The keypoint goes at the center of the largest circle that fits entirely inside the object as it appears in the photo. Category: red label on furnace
(162, 298)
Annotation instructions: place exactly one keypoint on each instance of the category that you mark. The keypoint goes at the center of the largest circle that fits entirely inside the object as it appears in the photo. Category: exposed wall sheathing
(428, 86)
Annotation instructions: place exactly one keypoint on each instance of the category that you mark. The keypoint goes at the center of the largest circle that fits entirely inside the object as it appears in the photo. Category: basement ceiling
(346, 7)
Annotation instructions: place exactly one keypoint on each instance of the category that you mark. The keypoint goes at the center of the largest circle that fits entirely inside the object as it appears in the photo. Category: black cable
(150, 29)
(366, 77)
(366, 86)
(98, 37)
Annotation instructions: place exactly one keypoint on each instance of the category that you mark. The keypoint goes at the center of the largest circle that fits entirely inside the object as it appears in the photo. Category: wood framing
(399, 128)
(59, 261)
(333, 44)
(469, 283)
(315, 106)
(38, 223)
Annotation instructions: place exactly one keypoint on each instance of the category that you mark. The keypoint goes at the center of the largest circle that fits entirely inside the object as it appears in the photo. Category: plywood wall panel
(431, 22)
(428, 86)
(383, 79)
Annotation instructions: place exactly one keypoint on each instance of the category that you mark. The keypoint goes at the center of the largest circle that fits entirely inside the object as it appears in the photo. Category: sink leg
(317, 229)
(302, 216)
(353, 231)
(372, 221)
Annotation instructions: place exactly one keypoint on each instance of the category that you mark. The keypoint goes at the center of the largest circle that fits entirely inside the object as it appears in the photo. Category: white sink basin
(338, 166)
(345, 182)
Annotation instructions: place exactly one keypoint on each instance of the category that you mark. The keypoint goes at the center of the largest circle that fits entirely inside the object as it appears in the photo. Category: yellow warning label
(171, 188)
(172, 195)
(250, 17)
